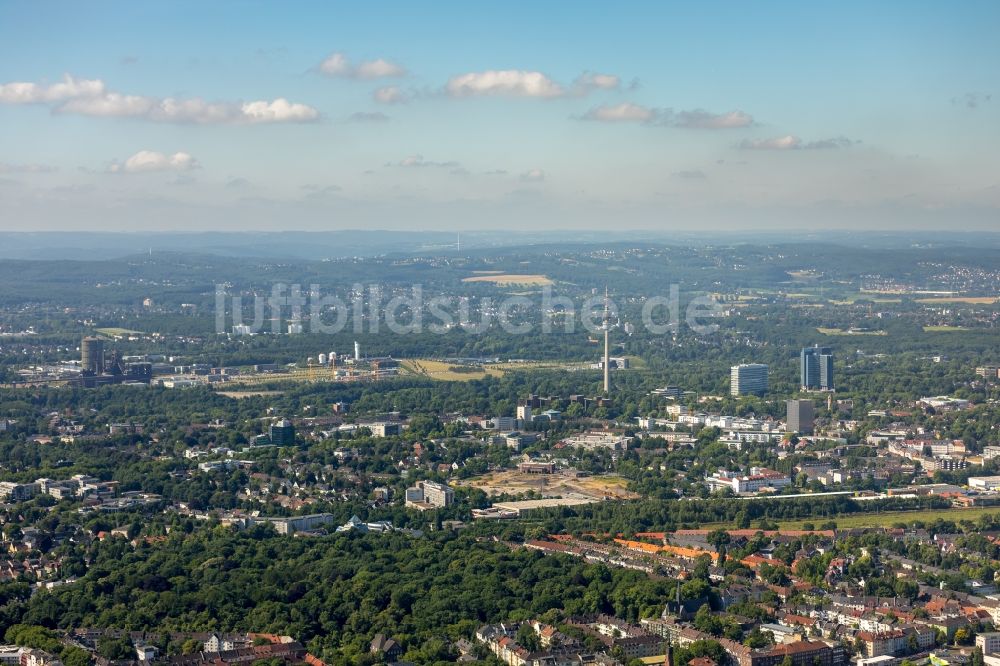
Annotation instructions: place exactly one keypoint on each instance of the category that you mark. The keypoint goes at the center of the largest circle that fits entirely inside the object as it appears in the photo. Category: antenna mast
(607, 346)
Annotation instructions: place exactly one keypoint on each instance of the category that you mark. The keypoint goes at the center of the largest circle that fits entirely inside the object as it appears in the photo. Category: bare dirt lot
(513, 482)
(506, 279)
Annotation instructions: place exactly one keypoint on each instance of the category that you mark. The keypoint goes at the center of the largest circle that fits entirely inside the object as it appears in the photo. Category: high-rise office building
(748, 378)
(92, 355)
(816, 368)
(282, 433)
(800, 416)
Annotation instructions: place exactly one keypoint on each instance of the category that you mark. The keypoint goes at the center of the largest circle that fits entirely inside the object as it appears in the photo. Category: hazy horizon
(184, 117)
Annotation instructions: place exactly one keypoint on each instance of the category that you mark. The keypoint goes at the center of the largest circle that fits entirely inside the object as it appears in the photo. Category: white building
(758, 479)
(429, 494)
(985, 483)
(988, 642)
(598, 440)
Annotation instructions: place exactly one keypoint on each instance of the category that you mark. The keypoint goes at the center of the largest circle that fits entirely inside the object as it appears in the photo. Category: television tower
(607, 346)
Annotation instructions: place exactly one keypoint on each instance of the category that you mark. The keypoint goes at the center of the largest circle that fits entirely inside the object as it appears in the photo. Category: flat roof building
(748, 379)
(800, 416)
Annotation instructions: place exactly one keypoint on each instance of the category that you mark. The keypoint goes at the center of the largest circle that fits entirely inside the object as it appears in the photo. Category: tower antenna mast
(607, 346)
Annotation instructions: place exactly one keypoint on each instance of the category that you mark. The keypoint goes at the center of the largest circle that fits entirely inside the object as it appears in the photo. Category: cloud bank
(523, 83)
(338, 65)
(694, 119)
(91, 97)
(792, 142)
(150, 160)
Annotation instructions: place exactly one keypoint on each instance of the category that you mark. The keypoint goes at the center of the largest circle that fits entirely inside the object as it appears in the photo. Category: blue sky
(448, 115)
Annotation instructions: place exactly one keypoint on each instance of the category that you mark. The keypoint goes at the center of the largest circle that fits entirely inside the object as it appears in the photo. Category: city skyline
(717, 116)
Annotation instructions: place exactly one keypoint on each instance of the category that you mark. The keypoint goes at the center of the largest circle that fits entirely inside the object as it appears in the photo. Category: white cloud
(777, 143)
(150, 160)
(508, 83)
(791, 142)
(701, 119)
(419, 161)
(278, 111)
(390, 95)
(338, 65)
(522, 83)
(379, 69)
(694, 119)
(20, 92)
(594, 81)
(624, 112)
(26, 168)
(368, 117)
(92, 98)
(533, 176)
(690, 174)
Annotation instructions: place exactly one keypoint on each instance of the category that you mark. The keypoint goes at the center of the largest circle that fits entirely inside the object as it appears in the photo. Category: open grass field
(445, 371)
(886, 518)
(509, 279)
(850, 299)
(117, 332)
(944, 329)
(840, 331)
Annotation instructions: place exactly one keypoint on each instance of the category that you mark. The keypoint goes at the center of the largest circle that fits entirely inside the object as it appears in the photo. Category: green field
(117, 332)
(943, 328)
(840, 331)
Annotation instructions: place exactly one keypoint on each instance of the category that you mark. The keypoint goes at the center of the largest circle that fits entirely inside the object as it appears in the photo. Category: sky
(687, 116)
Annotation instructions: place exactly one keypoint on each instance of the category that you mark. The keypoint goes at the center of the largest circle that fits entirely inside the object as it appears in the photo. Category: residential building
(386, 648)
(18, 492)
(384, 429)
(988, 642)
(429, 495)
(294, 524)
(503, 423)
(802, 653)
